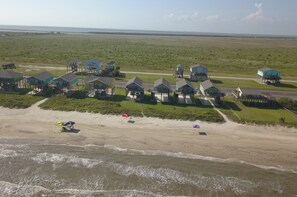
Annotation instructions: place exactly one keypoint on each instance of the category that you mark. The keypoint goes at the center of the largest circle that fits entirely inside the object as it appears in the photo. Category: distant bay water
(79, 30)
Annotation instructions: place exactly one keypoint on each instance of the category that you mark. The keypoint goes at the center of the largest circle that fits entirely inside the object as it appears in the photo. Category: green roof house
(268, 75)
(66, 82)
(40, 80)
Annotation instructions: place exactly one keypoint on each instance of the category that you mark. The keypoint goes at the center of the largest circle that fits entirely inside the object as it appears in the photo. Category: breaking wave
(61, 159)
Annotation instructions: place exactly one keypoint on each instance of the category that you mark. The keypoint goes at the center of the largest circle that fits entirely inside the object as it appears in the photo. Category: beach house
(268, 76)
(184, 92)
(100, 86)
(74, 66)
(208, 89)
(135, 89)
(93, 67)
(179, 72)
(10, 81)
(198, 73)
(40, 81)
(66, 82)
(161, 90)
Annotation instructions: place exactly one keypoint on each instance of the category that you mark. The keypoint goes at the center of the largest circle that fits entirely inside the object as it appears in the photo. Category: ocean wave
(195, 157)
(164, 176)
(10, 189)
(13, 153)
(61, 159)
(129, 193)
(4, 153)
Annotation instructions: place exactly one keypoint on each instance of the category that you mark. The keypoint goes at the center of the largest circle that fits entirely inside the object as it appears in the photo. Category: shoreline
(269, 146)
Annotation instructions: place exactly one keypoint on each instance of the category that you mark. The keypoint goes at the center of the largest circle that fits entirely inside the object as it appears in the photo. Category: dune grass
(118, 105)
(20, 101)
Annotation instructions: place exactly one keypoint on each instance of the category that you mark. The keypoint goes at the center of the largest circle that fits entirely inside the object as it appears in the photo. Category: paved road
(214, 76)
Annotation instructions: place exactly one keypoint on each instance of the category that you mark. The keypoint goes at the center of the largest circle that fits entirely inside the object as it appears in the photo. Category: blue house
(198, 73)
(93, 66)
(268, 76)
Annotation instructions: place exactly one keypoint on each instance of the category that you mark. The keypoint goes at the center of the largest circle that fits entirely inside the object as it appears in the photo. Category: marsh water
(101, 170)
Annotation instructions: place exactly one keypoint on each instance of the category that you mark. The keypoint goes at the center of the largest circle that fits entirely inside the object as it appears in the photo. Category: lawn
(238, 112)
(118, 105)
(223, 56)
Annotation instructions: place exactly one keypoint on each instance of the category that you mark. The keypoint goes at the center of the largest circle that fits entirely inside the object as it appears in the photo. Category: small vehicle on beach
(66, 126)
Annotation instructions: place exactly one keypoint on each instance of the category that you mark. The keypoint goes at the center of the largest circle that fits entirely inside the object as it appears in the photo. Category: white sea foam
(196, 157)
(4, 153)
(112, 192)
(61, 159)
(10, 189)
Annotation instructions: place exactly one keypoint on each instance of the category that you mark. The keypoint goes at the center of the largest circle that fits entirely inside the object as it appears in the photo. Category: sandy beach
(260, 145)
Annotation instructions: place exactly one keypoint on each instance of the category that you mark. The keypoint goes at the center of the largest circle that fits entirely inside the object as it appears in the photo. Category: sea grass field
(230, 56)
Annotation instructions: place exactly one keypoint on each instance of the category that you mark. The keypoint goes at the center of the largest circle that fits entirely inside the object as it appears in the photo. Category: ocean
(80, 30)
(30, 169)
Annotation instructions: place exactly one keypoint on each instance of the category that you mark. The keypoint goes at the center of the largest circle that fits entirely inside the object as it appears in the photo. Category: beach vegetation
(119, 105)
(16, 100)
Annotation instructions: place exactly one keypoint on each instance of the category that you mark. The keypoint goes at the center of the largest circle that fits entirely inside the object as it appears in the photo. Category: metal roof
(183, 82)
(42, 76)
(105, 80)
(162, 81)
(135, 80)
(265, 69)
(68, 77)
(4, 74)
(207, 84)
(198, 65)
(247, 91)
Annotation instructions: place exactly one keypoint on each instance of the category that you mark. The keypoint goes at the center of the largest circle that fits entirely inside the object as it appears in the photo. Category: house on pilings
(198, 73)
(40, 82)
(208, 89)
(93, 67)
(179, 72)
(268, 76)
(184, 92)
(74, 66)
(10, 81)
(161, 90)
(135, 89)
(65, 83)
(100, 87)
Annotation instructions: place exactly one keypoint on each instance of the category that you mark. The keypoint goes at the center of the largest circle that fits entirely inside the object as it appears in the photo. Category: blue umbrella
(196, 126)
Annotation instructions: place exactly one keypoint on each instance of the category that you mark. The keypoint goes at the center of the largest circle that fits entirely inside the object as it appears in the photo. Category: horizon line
(142, 31)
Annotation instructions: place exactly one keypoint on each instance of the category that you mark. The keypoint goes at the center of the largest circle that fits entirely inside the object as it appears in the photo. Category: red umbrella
(125, 115)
